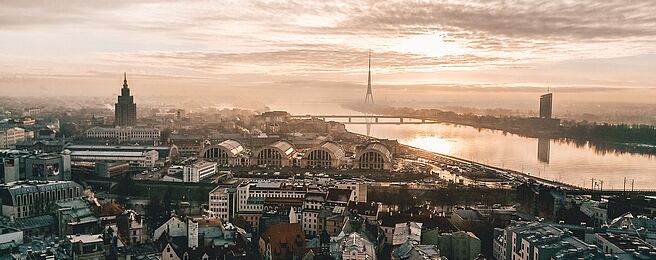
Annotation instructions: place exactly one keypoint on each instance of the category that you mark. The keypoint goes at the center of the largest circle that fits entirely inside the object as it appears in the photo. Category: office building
(546, 105)
(223, 203)
(125, 110)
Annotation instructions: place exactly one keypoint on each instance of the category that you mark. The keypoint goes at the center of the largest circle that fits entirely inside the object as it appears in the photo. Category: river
(549, 159)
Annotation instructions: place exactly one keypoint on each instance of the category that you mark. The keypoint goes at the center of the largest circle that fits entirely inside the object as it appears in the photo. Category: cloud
(287, 42)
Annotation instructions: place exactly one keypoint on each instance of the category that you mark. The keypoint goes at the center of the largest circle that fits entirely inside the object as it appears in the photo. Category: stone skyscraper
(125, 110)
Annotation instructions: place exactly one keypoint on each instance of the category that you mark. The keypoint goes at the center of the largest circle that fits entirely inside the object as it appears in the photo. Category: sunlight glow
(428, 44)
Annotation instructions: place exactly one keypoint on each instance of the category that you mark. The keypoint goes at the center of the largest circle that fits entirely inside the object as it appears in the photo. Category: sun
(431, 44)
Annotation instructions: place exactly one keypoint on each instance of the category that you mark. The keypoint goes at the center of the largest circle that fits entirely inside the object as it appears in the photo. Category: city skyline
(303, 47)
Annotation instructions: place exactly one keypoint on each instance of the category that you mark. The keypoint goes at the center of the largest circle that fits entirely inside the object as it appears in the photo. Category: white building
(146, 159)
(314, 202)
(124, 133)
(174, 227)
(222, 204)
(10, 136)
(198, 171)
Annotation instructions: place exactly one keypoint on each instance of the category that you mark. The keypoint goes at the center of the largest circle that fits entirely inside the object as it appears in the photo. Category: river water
(549, 159)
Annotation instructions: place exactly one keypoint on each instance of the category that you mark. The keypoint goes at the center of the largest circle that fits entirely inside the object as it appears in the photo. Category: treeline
(631, 138)
(618, 133)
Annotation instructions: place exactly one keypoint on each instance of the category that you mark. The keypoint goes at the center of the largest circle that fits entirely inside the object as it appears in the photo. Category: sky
(287, 51)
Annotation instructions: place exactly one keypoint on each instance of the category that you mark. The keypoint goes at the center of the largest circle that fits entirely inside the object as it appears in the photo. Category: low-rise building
(536, 240)
(413, 251)
(147, 159)
(313, 203)
(223, 203)
(88, 246)
(164, 153)
(131, 228)
(18, 165)
(76, 217)
(9, 136)
(460, 245)
(198, 171)
(352, 246)
(10, 239)
(35, 198)
(283, 241)
(125, 134)
(624, 246)
(226, 153)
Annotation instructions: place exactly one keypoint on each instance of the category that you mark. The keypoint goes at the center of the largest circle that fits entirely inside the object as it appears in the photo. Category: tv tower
(369, 98)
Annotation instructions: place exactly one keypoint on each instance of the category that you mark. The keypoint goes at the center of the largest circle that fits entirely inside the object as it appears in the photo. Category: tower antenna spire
(369, 98)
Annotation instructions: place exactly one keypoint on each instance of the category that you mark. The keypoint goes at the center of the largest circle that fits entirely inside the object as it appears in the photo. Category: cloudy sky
(318, 49)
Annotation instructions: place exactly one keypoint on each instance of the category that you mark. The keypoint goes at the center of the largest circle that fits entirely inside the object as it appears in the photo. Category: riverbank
(633, 139)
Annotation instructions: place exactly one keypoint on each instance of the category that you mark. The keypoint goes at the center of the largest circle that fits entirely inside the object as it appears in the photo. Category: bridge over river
(371, 119)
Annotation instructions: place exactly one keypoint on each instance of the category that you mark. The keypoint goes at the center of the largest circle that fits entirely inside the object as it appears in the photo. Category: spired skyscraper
(125, 110)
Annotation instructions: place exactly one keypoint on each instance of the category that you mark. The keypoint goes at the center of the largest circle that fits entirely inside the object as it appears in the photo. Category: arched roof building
(229, 152)
(326, 155)
(375, 156)
(278, 154)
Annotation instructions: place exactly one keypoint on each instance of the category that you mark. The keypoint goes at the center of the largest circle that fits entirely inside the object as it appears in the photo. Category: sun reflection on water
(432, 143)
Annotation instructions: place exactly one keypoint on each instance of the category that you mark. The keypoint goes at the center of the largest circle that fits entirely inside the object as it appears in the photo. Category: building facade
(146, 159)
(223, 203)
(226, 153)
(278, 154)
(327, 155)
(35, 198)
(198, 171)
(124, 134)
(374, 156)
(10, 136)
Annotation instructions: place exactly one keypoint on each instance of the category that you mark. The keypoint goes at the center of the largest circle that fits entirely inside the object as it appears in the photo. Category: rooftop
(86, 239)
